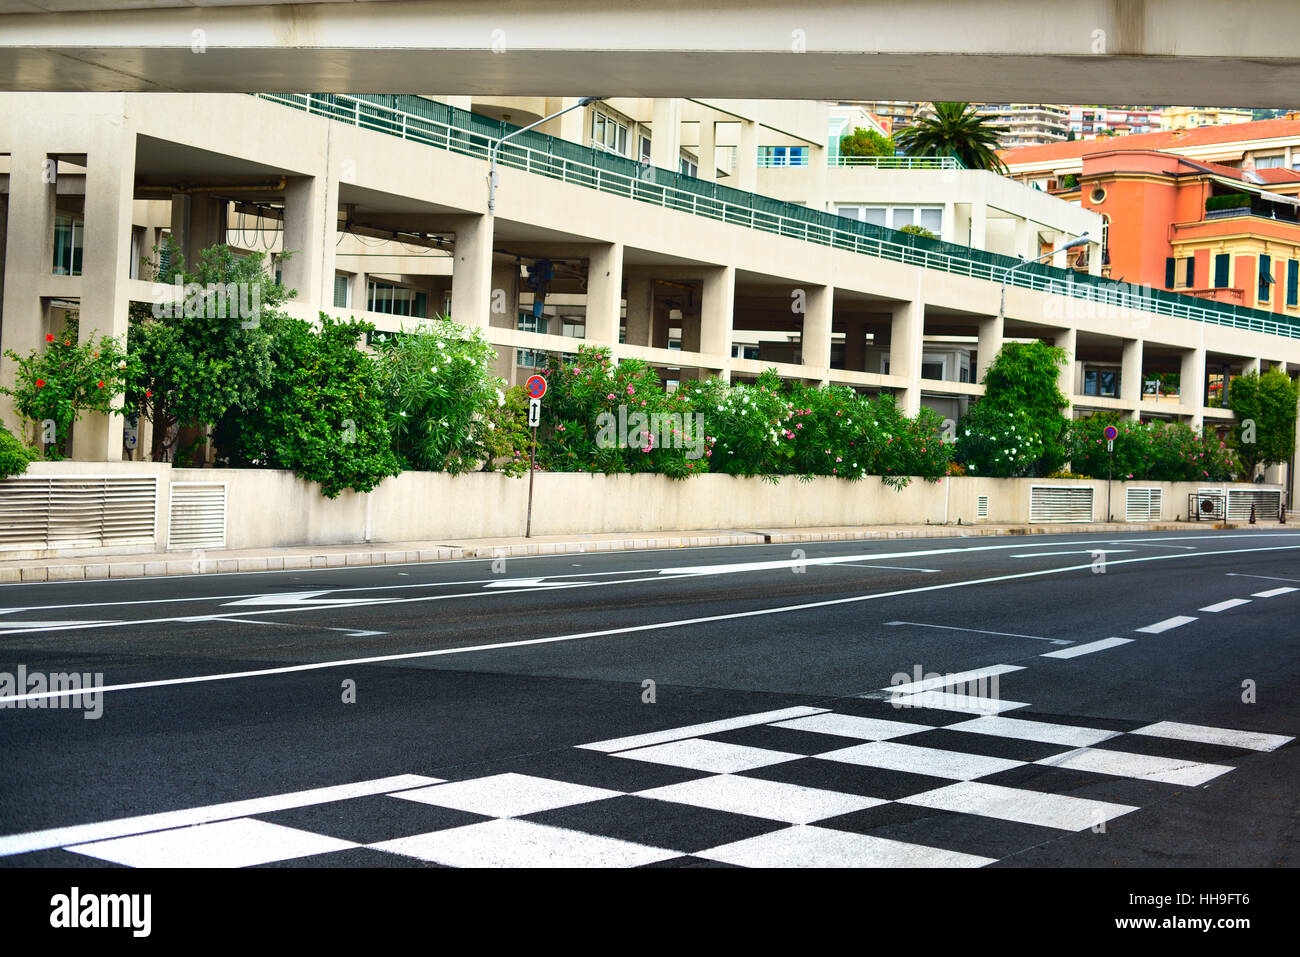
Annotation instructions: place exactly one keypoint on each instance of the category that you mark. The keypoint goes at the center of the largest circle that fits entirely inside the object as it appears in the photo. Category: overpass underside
(1072, 51)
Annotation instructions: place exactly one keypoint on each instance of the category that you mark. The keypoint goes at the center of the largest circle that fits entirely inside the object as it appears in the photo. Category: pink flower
(630, 390)
(610, 397)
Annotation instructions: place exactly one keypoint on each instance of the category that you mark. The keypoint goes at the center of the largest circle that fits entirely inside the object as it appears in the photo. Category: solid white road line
(1161, 626)
(1086, 551)
(1267, 578)
(1013, 804)
(1142, 767)
(105, 830)
(698, 730)
(979, 631)
(1225, 605)
(1273, 592)
(901, 568)
(1087, 649)
(629, 629)
(1251, 740)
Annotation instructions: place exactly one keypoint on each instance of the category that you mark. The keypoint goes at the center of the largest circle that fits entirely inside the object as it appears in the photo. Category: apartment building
(1028, 124)
(1091, 122)
(384, 202)
(1190, 117)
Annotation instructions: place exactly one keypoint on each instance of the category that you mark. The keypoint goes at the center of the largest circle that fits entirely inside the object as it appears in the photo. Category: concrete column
(571, 126)
(949, 231)
(471, 278)
(310, 222)
(708, 150)
(719, 298)
(979, 226)
(29, 251)
(106, 268)
(1061, 256)
(855, 345)
(747, 157)
(906, 340)
(815, 340)
(1191, 384)
(460, 102)
(1025, 234)
(1094, 259)
(640, 309)
(989, 344)
(1130, 376)
(198, 222)
(503, 313)
(1067, 339)
(604, 294)
(1252, 365)
(666, 133)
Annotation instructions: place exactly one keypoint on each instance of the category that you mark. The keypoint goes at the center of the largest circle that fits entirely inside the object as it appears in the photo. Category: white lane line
(1023, 730)
(1107, 551)
(1087, 649)
(105, 830)
(901, 568)
(1267, 578)
(629, 629)
(1203, 734)
(1176, 622)
(698, 730)
(1225, 605)
(1013, 804)
(1141, 767)
(979, 631)
(1274, 592)
(966, 704)
(943, 681)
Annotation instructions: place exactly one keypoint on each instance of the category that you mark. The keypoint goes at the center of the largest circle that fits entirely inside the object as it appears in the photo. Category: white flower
(501, 398)
(433, 369)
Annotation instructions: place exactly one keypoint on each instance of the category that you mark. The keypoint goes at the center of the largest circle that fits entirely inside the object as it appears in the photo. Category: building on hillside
(1091, 122)
(1028, 124)
(895, 113)
(1191, 117)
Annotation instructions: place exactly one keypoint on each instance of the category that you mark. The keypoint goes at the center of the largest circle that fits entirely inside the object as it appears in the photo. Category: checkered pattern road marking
(855, 786)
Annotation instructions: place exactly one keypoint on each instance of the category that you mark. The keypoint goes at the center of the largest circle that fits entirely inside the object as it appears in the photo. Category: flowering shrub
(1149, 451)
(442, 398)
(1001, 443)
(58, 383)
(14, 456)
(1017, 428)
(754, 426)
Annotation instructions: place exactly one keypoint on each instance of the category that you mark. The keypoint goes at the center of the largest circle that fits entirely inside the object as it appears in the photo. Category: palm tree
(954, 129)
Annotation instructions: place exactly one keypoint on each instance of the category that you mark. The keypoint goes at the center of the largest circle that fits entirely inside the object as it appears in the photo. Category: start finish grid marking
(752, 805)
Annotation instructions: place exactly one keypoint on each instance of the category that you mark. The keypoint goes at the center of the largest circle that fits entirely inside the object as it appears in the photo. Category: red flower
(67, 342)
(40, 383)
(49, 337)
(148, 393)
(101, 383)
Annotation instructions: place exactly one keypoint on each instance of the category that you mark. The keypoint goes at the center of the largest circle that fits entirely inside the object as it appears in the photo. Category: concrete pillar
(1060, 258)
(666, 133)
(906, 340)
(310, 222)
(198, 222)
(1191, 384)
(503, 313)
(855, 345)
(708, 150)
(29, 251)
(747, 157)
(815, 340)
(719, 298)
(1025, 236)
(1067, 339)
(1252, 365)
(989, 344)
(571, 126)
(1094, 259)
(640, 309)
(604, 294)
(106, 268)
(460, 102)
(471, 278)
(979, 226)
(1130, 376)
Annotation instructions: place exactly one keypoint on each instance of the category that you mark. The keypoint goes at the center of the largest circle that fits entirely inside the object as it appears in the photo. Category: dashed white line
(1176, 622)
(1087, 649)
(1225, 605)
(1273, 592)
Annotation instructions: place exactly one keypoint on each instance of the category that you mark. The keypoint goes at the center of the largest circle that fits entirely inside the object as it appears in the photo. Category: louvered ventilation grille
(1060, 503)
(198, 515)
(56, 511)
(1142, 504)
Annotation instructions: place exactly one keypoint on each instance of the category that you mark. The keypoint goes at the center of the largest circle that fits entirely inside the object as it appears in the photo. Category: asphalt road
(1126, 700)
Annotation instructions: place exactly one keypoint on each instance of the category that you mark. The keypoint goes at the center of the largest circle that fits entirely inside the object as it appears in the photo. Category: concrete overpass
(1070, 51)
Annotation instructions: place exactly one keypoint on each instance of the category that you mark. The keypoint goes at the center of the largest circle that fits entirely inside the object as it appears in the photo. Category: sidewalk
(391, 553)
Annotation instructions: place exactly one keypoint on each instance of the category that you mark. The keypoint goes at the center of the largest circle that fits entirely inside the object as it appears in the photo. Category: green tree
(863, 142)
(14, 456)
(57, 384)
(320, 414)
(918, 231)
(954, 129)
(200, 358)
(1017, 428)
(1265, 406)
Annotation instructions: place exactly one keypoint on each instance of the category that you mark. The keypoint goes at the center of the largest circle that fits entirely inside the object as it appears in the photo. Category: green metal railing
(459, 131)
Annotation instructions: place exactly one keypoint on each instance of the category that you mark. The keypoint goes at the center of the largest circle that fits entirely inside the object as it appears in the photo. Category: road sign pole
(532, 458)
(536, 388)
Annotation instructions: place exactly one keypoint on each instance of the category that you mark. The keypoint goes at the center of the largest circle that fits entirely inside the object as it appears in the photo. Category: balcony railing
(468, 134)
(900, 162)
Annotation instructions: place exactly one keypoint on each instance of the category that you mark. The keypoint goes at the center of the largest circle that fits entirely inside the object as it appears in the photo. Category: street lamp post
(496, 146)
(1006, 275)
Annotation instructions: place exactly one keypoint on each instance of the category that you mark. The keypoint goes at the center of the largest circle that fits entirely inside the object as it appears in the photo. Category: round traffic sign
(1111, 433)
(536, 386)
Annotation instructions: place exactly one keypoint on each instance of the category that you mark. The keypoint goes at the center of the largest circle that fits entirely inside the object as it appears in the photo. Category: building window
(1221, 263)
(574, 328)
(1269, 162)
(644, 149)
(1101, 382)
(342, 291)
(68, 241)
(783, 156)
(394, 300)
(1171, 265)
(608, 133)
(1265, 277)
(1191, 272)
(689, 167)
(1292, 282)
(527, 322)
